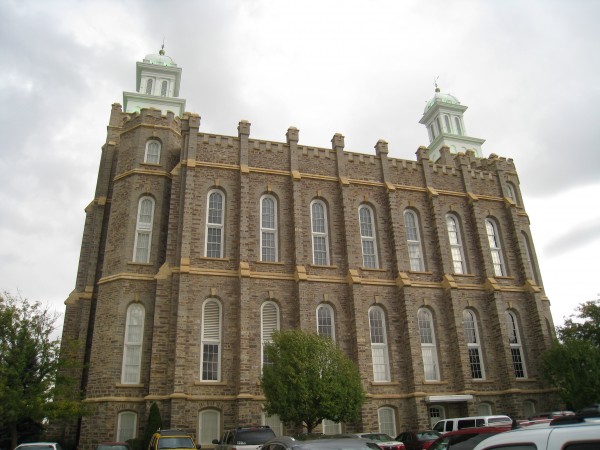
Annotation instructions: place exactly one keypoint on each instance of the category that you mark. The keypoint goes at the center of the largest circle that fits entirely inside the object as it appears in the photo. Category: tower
(157, 85)
(443, 117)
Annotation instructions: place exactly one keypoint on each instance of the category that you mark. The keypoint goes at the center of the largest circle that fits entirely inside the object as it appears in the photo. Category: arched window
(379, 350)
(439, 124)
(528, 408)
(209, 426)
(325, 323)
(126, 426)
(132, 348)
(432, 129)
(473, 345)
(484, 409)
(152, 154)
(215, 221)
(387, 420)
(269, 323)
(458, 126)
(368, 237)
(413, 240)
(495, 247)
(456, 247)
(149, 86)
(320, 237)
(268, 228)
(210, 364)
(436, 413)
(510, 192)
(274, 422)
(448, 126)
(163, 88)
(514, 342)
(143, 230)
(428, 346)
(331, 427)
(528, 257)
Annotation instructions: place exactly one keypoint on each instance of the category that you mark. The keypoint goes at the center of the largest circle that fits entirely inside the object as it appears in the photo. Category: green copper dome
(161, 59)
(439, 97)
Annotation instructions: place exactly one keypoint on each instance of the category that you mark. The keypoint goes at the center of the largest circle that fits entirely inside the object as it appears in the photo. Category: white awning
(448, 398)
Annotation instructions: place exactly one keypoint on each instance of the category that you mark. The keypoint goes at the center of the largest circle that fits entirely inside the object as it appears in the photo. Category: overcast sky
(527, 70)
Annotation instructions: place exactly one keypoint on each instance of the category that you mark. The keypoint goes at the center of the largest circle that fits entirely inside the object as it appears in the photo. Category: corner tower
(443, 117)
(157, 85)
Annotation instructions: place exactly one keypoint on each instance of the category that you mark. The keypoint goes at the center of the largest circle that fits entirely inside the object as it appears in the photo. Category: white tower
(157, 85)
(443, 117)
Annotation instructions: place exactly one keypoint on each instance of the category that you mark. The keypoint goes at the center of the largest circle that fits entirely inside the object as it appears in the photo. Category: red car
(418, 440)
(465, 439)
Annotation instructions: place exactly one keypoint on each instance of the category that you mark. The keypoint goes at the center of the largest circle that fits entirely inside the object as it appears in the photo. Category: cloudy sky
(527, 70)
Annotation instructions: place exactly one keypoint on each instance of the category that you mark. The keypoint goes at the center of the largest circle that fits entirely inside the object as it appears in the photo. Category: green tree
(153, 424)
(572, 364)
(30, 385)
(308, 379)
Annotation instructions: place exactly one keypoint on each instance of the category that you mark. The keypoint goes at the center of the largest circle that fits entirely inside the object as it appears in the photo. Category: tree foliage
(154, 423)
(308, 379)
(572, 364)
(29, 366)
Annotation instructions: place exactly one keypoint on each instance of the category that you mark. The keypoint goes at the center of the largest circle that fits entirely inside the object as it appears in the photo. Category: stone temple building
(198, 246)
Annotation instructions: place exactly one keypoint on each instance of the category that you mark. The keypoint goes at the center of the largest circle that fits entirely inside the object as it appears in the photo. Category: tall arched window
(528, 408)
(458, 126)
(215, 222)
(456, 247)
(274, 422)
(379, 350)
(484, 409)
(149, 84)
(448, 126)
(387, 420)
(163, 88)
(132, 348)
(528, 257)
(510, 192)
(152, 154)
(268, 228)
(209, 426)
(325, 323)
(428, 345)
(413, 240)
(143, 230)
(514, 342)
(495, 247)
(331, 427)
(126, 426)
(368, 237)
(210, 364)
(269, 324)
(320, 236)
(473, 345)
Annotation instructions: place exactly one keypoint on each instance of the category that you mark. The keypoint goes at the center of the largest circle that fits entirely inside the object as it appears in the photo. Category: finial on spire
(162, 48)
(437, 89)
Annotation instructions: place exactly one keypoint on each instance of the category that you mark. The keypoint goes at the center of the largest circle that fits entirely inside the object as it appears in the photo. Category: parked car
(289, 443)
(113, 446)
(385, 441)
(39, 446)
(171, 439)
(418, 440)
(458, 423)
(244, 438)
(465, 439)
(561, 433)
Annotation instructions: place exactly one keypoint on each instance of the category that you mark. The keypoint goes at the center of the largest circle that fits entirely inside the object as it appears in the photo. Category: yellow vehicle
(171, 439)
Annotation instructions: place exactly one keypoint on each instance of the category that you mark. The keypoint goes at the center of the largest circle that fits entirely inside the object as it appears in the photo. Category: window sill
(371, 269)
(210, 383)
(150, 164)
(207, 258)
(385, 383)
(418, 272)
(435, 382)
(135, 263)
(277, 263)
(319, 266)
(462, 274)
(504, 278)
(121, 385)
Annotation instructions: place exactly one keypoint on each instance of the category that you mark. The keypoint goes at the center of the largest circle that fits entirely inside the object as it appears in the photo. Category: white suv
(581, 435)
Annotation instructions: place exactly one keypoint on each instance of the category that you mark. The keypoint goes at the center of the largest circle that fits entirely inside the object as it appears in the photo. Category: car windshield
(175, 442)
(381, 437)
(36, 447)
(111, 447)
(427, 435)
(253, 437)
(460, 441)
